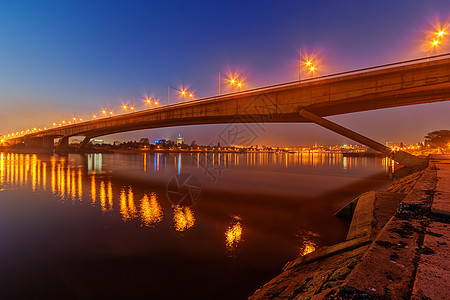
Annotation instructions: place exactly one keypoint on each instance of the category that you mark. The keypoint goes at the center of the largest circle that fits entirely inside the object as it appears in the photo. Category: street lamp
(436, 38)
(308, 63)
(235, 81)
(148, 100)
(181, 91)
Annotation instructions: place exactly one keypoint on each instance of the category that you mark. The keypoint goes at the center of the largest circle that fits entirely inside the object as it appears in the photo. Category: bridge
(406, 83)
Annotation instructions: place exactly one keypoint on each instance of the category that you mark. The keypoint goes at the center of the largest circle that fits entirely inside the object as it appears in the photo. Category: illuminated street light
(235, 81)
(309, 62)
(436, 38)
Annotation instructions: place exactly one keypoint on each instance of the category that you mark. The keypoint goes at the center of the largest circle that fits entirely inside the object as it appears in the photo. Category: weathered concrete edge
(329, 251)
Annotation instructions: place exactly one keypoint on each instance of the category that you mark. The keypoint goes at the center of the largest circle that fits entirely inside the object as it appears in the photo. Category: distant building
(391, 144)
(75, 141)
(180, 140)
(97, 142)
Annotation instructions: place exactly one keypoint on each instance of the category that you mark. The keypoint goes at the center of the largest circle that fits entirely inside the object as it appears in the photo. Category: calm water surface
(101, 225)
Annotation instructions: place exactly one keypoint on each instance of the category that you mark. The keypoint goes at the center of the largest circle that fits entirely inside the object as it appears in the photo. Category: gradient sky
(58, 58)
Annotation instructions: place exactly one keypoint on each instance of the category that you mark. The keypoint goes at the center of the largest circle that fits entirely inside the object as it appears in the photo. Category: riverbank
(397, 247)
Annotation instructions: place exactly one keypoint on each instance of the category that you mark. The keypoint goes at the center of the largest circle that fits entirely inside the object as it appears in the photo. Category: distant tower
(180, 140)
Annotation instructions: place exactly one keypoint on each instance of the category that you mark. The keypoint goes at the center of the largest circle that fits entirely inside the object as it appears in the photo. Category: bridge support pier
(83, 144)
(63, 145)
(48, 142)
(401, 157)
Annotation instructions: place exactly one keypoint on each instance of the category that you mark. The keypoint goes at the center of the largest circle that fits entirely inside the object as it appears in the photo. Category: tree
(438, 138)
(144, 141)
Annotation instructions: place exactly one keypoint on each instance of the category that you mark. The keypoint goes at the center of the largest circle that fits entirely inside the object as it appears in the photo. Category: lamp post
(307, 64)
(300, 66)
(437, 39)
(236, 82)
(147, 100)
(183, 93)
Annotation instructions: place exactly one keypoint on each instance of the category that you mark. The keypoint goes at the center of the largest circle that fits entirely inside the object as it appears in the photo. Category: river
(203, 226)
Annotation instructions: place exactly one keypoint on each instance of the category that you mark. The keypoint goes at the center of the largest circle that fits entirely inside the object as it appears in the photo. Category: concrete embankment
(397, 247)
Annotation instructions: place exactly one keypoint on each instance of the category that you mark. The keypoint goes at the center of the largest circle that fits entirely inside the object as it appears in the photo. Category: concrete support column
(63, 145)
(401, 157)
(48, 142)
(84, 143)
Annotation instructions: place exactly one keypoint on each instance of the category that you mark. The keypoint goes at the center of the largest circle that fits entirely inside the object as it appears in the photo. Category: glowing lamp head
(232, 81)
(308, 63)
(183, 92)
(104, 111)
(124, 107)
(191, 95)
(149, 101)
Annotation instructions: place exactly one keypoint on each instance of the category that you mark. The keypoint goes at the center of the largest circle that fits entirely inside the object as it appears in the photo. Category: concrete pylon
(83, 144)
(63, 145)
(48, 142)
(401, 157)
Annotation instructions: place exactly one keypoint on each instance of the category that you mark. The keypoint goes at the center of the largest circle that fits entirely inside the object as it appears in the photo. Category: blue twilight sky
(58, 58)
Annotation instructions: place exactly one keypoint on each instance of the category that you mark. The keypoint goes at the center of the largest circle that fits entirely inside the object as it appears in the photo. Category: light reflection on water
(67, 181)
(183, 218)
(151, 210)
(92, 180)
(233, 235)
